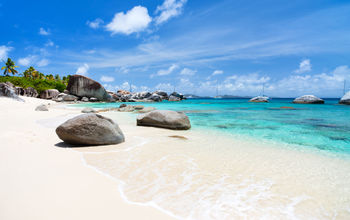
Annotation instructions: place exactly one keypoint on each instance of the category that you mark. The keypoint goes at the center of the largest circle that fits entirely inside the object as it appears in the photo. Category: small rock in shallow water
(165, 119)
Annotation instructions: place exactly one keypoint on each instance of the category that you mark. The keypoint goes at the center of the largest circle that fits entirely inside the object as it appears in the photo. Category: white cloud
(49, 43)
(217, 72)
(95, 23)
(122, 69)
(107, 79)
(169, 9)
(188, 72)
(167, 87)
(27, 61)
(44, 32)
(133, 21)
(83, 70)
(304, 66)
(164, 72)
(4, 50)
(43, 62)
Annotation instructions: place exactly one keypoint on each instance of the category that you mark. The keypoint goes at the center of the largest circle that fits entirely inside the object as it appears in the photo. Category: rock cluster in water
(345, 99)
(308, 99)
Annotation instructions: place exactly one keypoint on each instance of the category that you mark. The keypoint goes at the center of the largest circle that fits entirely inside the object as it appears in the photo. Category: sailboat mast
(344, 87)
(263, 93)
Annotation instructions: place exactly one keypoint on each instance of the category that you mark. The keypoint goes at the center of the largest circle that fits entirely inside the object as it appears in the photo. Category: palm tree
(9, 67)
(28, 73)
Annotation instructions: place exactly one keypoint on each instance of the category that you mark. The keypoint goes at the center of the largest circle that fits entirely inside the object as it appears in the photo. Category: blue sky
(293, 47)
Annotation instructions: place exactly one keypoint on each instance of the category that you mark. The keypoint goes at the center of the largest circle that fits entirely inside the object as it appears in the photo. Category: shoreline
(130, 168)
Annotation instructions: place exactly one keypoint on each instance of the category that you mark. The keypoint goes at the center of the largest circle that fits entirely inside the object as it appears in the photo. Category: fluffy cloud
(43, 62)
(27, 61)
(50, 43)
(133, 21)
(217, 72)
(304, 66)
(95, 23)
(107, 79)
(164, 72)
(165, 87)
(83, 69)
(44, 32)
(33, 60)
(188, 72)
(169, 9)
(4, 50)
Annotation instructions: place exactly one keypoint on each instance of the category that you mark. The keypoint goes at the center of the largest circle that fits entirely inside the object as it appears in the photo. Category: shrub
(38, 84)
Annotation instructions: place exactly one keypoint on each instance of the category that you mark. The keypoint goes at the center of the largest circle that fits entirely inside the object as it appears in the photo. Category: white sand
(207, 176)
(42, 181)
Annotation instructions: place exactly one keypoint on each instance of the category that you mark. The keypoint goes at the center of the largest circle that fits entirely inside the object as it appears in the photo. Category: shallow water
(322, 127)
(240, 161)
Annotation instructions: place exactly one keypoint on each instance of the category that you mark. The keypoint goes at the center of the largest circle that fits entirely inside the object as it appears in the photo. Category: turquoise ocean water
(324, 127)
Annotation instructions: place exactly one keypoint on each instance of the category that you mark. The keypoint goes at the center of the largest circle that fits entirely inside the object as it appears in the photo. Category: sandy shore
(157, 172)
(40, 180)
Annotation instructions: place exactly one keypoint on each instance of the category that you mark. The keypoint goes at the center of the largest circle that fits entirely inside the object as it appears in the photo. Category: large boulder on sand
(30, 92)
(165, 119)
(308, 99)
(69, 98)
(90, 129)
(85, 87)
(7, 90)
(345, 99)
(49, 94)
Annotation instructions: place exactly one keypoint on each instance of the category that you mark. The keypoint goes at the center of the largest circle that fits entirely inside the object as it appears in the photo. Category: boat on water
(261, 98)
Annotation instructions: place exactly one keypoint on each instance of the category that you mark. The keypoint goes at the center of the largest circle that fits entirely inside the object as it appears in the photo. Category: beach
(159, 173)
(42, 181)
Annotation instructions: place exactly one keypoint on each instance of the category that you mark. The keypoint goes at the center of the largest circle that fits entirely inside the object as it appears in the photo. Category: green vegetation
(33, 78)
(9, 67)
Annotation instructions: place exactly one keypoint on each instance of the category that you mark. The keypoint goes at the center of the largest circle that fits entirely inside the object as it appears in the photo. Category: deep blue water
(324, 127)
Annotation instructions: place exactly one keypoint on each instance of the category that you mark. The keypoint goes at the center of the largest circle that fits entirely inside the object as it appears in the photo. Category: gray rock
(146, 110)
(165, 119)
(345, 99)
(308, 99)
(49, 94)
(163, 94)
(138, 107)
(88, 110)
(85, 99)
(42, 107)
(93, 99)
(260, 99)
(19, 91)
(128, 108)
(69, 98)
(122, 105)
(83, 86)
(90, 129)
(179, 95)
(174, 98)
(30, 92)
(156, 98)
(7, 90)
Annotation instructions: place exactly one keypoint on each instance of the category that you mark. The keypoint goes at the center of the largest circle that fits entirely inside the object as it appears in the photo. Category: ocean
(240, 160)
(322, 127)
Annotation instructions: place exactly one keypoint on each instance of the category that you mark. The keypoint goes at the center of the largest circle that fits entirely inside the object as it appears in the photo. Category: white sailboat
(261, 98)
